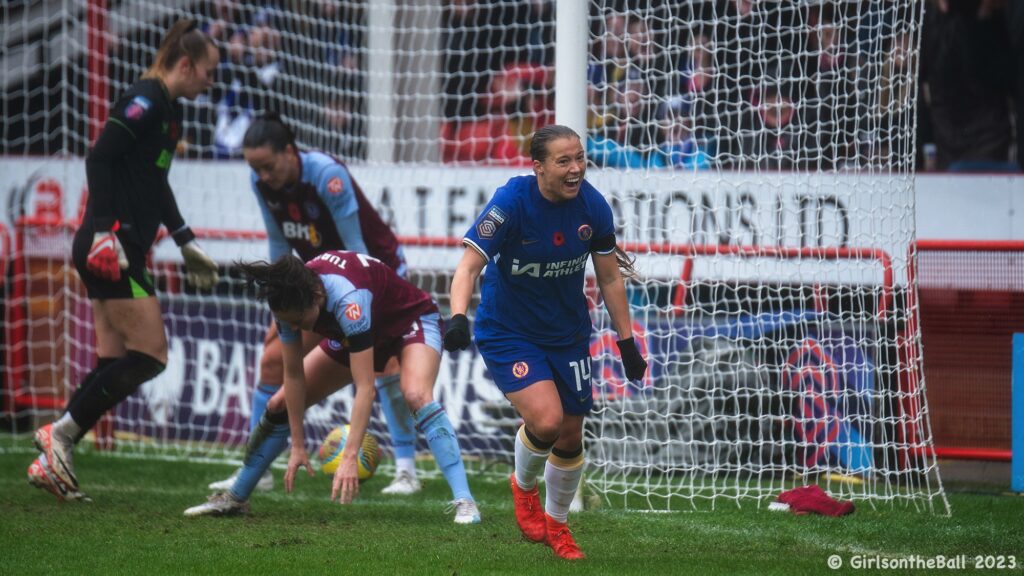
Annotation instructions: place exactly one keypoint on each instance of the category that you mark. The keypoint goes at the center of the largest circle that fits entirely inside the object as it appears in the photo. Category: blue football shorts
(515, 364)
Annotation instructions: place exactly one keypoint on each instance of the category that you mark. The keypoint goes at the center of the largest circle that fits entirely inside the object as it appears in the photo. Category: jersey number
(582, 371)
(365, 260)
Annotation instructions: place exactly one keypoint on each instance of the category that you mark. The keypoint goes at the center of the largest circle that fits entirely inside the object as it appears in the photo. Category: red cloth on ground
(807, 499)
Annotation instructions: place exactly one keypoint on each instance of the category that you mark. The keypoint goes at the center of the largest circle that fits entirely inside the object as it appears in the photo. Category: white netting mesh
(757, 155)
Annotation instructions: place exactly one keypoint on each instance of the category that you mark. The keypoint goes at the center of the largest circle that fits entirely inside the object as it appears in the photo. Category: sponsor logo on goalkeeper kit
(334, 186)
(164, 160)
(520, 369)
(585, 232)
(489, 224)
(137, 107)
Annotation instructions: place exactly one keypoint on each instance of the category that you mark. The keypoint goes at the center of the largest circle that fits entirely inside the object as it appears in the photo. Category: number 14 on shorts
(581, 369)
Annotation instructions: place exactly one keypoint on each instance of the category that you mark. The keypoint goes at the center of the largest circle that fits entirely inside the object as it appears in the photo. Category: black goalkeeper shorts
(135, 282)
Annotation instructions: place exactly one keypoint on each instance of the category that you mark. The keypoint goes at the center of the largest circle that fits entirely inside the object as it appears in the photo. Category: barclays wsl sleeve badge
(489, 224)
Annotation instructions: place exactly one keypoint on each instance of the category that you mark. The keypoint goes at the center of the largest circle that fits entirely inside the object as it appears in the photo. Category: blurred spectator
(966, 64)
(883, 129)
(831, 90)
(607, 68)
(521, 97)
(343, 127)
(1015, 22)
(235, 98)
(636, 113)
(680, 148)
(774, 138)
(264, 43)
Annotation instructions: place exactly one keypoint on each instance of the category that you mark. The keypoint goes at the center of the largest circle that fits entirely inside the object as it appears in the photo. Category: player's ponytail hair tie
(286, 285)
(183, 40)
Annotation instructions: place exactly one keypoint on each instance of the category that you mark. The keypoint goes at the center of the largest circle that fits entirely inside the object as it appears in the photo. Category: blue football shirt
(536, 252)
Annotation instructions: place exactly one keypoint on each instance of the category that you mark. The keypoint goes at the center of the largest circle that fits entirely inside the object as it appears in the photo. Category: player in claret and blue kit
(366, 315)
(533, 327)
(311, 204)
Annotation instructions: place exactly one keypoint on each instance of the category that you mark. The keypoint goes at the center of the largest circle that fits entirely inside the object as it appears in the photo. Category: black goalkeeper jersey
(127, 167)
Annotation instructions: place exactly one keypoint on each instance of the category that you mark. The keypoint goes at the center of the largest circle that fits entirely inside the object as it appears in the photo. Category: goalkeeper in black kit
(129, 198)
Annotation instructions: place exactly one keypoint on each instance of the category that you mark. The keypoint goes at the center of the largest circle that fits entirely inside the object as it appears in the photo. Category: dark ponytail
(286, 285)
(626, 262)
(183, 40)
(269, 130)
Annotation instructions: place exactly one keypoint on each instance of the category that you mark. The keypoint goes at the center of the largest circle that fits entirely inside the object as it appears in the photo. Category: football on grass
(334, 447)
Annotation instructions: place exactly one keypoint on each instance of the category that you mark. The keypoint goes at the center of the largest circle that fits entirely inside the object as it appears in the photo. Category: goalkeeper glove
(201, 269)
(632, 361)
(106, 257)
(456, 335)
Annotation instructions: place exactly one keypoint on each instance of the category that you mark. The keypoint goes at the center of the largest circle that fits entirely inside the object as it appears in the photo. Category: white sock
(561, 483)
(66, 427)
(407, 465)
(529, 461)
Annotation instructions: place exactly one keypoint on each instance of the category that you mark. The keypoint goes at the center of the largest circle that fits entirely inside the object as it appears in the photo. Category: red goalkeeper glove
(106, 257)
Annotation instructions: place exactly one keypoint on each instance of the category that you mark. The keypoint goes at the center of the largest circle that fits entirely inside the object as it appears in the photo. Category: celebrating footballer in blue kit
(366, 315)
(310, 204)
(533, 326)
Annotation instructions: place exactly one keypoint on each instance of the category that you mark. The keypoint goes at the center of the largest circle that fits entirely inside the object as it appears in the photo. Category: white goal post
(758, 157)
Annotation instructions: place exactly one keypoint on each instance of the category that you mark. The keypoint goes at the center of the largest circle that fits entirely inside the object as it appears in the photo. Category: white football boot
(41, 475)
(58, 450)
(466, 511)
(219, 504)
(404, 484)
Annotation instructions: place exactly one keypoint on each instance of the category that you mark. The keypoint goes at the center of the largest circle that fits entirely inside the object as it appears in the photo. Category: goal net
(758, 157)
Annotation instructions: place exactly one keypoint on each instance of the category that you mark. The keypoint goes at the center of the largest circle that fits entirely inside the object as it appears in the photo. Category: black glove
(632, 361)
(456, 335)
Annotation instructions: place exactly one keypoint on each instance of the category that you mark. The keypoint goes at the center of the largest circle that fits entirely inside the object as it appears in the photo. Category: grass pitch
(135, 526)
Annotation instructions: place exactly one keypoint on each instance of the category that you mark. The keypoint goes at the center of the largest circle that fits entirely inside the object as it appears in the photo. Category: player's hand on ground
(106, 257)
(633, 363)
(456, 335)
(201, 269)
(297, 459)
(346, 482)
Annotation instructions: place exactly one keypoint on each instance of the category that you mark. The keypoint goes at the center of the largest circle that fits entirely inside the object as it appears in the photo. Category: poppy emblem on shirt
(137, 107)
(334, 186)
(585, 232)
(559, 239)
(353, 312)
(520, 369)
(293, 212)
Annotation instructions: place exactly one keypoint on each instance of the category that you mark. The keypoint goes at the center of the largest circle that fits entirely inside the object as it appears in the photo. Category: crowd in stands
(730, 84)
